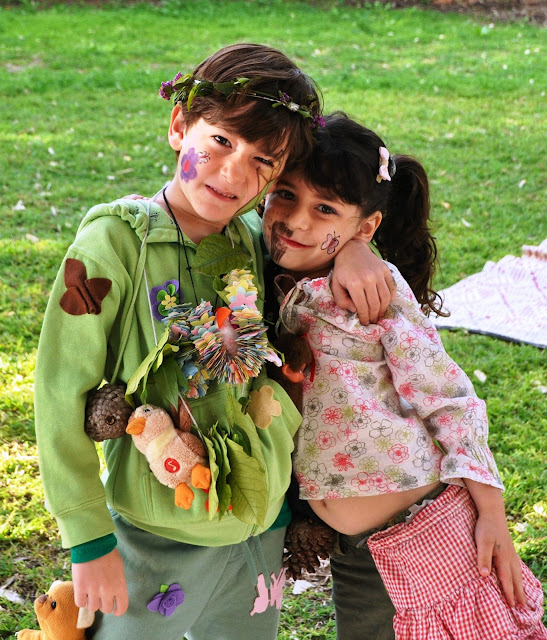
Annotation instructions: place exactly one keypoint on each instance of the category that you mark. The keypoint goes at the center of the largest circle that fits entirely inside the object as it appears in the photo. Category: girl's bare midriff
(355, 515)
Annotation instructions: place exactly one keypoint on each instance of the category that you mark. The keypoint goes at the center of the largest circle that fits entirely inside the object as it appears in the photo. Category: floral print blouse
(385, 408)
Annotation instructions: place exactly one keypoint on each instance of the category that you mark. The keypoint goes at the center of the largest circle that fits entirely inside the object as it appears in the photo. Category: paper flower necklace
(227, 344)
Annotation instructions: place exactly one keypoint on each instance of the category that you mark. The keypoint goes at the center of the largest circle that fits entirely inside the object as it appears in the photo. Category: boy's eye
(222, 140)
(268, 163)
(324, 208)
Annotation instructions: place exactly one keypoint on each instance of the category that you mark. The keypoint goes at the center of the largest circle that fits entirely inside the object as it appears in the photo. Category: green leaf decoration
(226, 88)
(167, 378)
(252, 204)
(440, 446)
(213, 497)
(248, 484)
(246, 424)
(139, 379)
(218, 286)
(242, 439)
(223, 488)
(215, 256)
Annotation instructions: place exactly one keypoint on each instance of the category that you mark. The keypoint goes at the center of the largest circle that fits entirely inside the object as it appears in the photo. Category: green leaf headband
(187, 87)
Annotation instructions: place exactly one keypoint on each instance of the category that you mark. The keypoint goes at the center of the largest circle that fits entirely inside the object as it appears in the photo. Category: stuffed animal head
(58, 616)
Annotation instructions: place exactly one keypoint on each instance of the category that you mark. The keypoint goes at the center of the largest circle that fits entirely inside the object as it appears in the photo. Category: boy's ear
(368, 227)
(177, 128)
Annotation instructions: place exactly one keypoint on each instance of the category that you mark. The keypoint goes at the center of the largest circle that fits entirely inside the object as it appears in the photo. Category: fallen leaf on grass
(300, 586)
(11, 595)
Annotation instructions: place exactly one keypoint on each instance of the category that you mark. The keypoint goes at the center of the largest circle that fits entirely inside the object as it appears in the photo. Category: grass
(82, 124)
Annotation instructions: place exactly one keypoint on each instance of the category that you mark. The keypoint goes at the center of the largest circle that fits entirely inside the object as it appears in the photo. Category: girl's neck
(311, 275)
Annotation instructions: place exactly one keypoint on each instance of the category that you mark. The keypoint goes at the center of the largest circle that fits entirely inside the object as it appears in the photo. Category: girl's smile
(304, 228)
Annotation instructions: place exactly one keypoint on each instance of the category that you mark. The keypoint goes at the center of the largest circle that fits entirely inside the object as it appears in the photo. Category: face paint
(203, 157)
(278, 248)
(188, 164)
(331, 243)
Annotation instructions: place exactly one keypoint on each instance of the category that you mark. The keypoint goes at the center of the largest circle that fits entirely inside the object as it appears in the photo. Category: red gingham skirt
(429, 568)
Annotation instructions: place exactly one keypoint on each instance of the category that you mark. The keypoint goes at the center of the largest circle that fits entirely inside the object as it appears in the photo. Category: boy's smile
(304, 228)
(218, 173)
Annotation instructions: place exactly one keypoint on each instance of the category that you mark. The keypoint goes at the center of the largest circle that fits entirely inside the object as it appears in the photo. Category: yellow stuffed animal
(58, 616)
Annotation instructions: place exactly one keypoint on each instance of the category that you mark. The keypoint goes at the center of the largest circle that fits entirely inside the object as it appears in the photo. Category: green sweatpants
(219, 584)
(364, 610)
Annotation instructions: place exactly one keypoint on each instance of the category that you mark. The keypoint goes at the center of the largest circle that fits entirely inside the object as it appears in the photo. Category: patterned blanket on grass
(507, 299)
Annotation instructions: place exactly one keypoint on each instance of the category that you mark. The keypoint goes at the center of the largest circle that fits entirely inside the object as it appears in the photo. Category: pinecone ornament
(107, 412)
(307, 540)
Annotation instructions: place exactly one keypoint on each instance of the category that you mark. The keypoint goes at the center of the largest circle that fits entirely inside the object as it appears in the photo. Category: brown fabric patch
(82, 295)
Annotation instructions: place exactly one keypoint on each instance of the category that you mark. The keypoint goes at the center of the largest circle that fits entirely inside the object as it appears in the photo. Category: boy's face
(218, 172)
(304, 229)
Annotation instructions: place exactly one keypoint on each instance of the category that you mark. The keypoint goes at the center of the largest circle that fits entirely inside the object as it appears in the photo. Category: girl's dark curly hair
(344, 164)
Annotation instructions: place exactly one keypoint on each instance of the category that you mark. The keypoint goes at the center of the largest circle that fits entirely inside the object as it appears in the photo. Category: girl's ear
(177, 128)
(368, 227)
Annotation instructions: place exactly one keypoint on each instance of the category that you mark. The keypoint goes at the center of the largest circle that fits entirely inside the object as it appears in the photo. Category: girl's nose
(299, 219)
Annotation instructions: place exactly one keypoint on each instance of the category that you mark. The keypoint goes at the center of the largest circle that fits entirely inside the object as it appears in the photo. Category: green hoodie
(98, 310)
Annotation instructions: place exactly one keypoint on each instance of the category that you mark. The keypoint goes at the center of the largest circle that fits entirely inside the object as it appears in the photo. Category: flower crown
(186, 88)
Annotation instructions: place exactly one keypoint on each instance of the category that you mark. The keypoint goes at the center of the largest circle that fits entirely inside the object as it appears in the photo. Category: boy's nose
(233, 169)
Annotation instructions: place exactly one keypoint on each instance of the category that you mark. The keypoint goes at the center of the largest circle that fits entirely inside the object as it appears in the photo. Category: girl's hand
(100, 584)
(494, 543)
(134, 196)
(361, 282)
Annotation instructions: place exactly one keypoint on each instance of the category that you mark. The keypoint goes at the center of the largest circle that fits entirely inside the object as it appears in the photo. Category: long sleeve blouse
(385, 407)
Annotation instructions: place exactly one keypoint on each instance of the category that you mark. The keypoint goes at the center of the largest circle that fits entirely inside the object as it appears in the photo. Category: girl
(236, 120)
(393, 449)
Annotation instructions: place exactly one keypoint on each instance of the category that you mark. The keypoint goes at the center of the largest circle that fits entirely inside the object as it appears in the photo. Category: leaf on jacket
(215, 256)
(248, 485)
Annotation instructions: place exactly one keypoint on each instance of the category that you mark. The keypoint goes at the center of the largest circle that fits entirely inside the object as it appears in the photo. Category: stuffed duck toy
(177, 458)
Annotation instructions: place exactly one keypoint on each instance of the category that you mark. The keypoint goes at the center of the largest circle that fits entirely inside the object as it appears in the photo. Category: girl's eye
(285, 194)
(324, 208)
(222, 140)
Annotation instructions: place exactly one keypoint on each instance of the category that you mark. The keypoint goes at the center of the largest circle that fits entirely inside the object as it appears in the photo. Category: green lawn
(81, 123)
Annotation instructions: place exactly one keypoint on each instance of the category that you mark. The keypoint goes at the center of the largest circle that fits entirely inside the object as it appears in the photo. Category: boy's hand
(361, 282)
(100, 584)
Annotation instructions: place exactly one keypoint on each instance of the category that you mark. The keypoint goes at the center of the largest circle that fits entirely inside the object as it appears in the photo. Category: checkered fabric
(429, 568)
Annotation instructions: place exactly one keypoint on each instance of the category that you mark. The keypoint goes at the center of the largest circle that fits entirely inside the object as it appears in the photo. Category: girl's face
(304, 230)
(218, 173)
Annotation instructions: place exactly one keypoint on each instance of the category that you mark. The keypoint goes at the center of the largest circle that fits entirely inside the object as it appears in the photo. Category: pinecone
(107, 412)
(306, 541)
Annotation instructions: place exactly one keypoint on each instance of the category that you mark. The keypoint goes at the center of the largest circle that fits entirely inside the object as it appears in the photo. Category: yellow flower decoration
(169, 301)
(262, 407)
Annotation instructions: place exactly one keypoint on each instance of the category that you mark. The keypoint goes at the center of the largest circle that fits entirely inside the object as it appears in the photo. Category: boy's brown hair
(250, 117)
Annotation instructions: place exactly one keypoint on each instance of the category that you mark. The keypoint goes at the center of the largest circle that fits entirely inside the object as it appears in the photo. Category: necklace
(180, 243)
